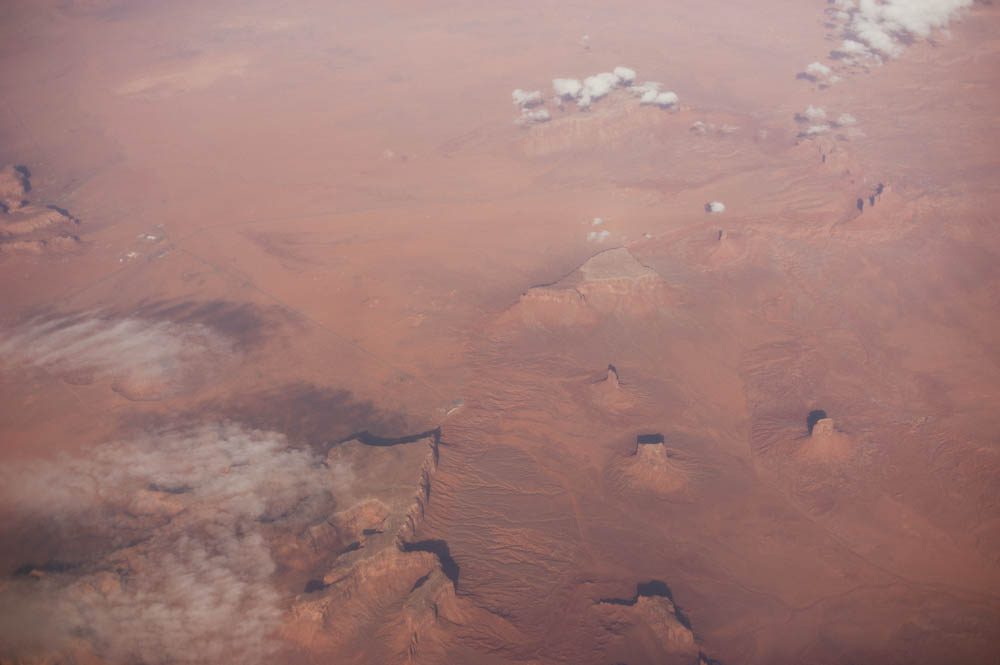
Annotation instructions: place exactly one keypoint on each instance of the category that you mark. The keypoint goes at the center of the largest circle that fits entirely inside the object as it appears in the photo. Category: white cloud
(567, 88)
(599, 236)
(599, 85)
(645, 88)
(846, 120)
(715, 207)
(195, 583)
(813, 130)
(818, 69)
(649, 93)
(815, 113)
(597, 221)
(876, 36)
(880, 28)
(852, 47)
(648, 97)
(664, 99)
(526, 99)
(529, 117)
(625, 75)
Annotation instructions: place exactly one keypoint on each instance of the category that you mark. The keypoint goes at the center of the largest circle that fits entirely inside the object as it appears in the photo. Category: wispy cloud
(145, 358)
(195, 582)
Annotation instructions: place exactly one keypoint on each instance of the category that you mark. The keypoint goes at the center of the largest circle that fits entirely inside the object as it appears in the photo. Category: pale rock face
(823, 427)
(611, 282)
(826, 445)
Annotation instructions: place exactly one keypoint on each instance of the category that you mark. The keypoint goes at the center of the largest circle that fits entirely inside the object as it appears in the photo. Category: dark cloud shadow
(308, 415)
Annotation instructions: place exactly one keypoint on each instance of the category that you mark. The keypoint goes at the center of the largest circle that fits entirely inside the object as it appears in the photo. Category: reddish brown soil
(330, 206)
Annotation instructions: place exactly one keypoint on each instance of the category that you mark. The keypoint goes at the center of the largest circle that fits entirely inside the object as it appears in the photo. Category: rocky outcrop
(27, 228)
(825, 443)
(384, 581)
(608, 393)
(668, 466)
(653, 620)
(611, 283)
(14, 187)
(655, 467)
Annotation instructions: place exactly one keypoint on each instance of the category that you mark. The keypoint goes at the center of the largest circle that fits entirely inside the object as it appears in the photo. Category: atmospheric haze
(501, 333)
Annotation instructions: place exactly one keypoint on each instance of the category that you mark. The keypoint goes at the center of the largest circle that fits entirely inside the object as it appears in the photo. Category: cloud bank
(591, 89)
(598, 86)
(143, 357)
(526, 99)
(816, 120)
(880, 29)
(193, 583)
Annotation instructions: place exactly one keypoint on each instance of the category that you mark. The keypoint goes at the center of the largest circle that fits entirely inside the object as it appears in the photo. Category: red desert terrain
(504, 333)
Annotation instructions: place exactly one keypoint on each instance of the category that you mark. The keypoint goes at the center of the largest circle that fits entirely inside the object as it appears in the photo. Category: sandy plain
(306, 231)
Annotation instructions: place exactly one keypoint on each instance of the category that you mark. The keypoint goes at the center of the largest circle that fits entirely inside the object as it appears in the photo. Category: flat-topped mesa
(610, 282)
(651, 451)
(654, 466)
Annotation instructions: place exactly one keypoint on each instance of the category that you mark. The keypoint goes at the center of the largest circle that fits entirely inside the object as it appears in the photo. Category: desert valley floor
(314, 348)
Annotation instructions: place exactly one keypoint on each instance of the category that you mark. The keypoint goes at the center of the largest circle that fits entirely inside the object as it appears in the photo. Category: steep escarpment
(383, 590)
(26, 227)
(288, 550)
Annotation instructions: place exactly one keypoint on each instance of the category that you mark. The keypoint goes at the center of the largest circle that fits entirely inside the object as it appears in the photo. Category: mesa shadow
(369, 439)
(316, 416)
(314, 585)
(64, 213)
(814, 417)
